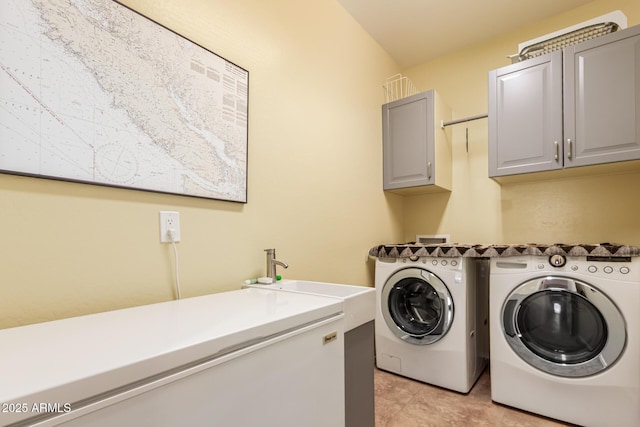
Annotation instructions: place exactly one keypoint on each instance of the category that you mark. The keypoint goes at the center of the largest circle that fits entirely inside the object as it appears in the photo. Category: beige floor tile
(404, 402)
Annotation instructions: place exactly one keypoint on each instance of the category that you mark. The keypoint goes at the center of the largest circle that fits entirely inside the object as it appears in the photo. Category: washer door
(563, 326)
(417, 306)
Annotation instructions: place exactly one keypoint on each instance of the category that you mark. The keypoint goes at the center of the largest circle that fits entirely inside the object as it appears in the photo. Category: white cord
(175, 254)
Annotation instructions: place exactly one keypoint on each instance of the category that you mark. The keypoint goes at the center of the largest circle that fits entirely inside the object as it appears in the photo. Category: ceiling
(416, 31)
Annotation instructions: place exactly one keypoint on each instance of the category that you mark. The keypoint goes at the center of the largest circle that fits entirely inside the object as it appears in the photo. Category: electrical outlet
(169, 221)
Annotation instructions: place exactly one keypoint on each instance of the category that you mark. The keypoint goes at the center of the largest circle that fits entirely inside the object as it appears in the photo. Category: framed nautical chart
(93, 92)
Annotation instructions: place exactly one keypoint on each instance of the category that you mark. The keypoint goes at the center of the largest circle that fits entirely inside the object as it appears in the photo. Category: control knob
(557, 260)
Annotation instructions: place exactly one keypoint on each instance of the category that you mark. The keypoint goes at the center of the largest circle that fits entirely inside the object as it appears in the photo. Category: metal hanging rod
(466, 119)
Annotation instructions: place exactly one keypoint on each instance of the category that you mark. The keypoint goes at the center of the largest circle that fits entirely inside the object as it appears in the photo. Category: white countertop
(66, 360)
(359, 301)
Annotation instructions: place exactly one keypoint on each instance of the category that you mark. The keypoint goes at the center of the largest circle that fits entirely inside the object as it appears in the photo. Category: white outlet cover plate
(169, 220)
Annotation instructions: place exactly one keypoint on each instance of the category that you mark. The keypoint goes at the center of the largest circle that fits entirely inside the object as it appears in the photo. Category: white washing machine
(564, 337)
(432, 319)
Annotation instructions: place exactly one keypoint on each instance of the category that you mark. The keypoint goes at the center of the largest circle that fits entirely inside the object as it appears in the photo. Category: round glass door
(417, 306)
(563, 326)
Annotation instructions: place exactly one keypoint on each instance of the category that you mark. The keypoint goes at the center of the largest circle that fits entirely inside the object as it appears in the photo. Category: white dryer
(565, 337)
(432, 319)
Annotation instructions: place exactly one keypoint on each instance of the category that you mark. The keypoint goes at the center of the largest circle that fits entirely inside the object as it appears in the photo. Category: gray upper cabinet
(416, 150)
(575, 107)
(602, 99)
(525, 116)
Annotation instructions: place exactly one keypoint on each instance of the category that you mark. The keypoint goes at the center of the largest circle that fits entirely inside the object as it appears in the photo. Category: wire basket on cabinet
(397, 87)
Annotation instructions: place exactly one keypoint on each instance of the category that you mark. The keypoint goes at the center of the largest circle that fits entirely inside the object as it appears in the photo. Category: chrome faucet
(272, 262)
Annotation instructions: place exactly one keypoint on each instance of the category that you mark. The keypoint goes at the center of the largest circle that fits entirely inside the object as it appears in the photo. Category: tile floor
(402, 402)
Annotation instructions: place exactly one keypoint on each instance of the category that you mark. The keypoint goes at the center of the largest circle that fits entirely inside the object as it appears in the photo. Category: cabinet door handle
(569, 148)
(429, 170)
(555, 145)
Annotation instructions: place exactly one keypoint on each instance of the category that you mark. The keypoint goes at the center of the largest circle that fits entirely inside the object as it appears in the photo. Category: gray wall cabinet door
(408, 141)
(602, 99)
(575, 107)
(525, 116)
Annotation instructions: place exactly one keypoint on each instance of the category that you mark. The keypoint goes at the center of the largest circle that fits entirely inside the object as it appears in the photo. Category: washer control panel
(451, 263)
(620, 267)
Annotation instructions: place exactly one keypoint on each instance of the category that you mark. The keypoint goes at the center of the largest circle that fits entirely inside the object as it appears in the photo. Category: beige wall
(315, 177)
(600, 206)
(315, 174)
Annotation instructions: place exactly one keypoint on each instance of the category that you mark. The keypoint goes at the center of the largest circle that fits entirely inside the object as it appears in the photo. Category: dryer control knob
(592, 269)
(608, 269)
(557, 260)
(624, 270)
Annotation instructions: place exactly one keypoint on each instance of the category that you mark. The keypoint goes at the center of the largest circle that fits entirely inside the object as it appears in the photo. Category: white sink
(359, 302)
